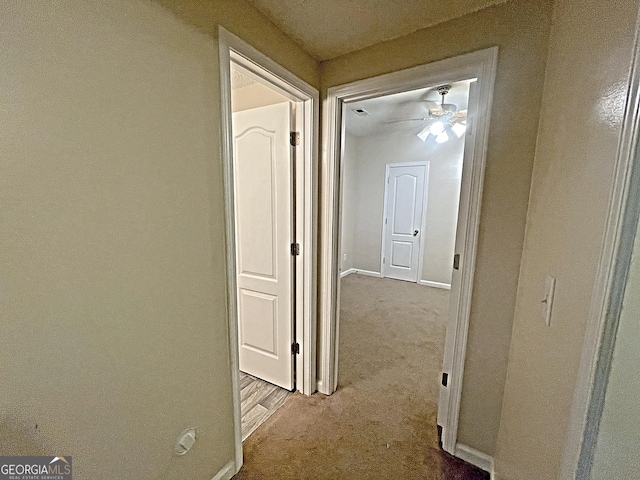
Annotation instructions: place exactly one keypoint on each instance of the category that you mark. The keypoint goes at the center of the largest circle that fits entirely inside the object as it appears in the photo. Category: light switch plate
(547, 301)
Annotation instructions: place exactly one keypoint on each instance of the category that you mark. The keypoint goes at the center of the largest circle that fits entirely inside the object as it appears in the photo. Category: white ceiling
(400, 106)
(330, 28)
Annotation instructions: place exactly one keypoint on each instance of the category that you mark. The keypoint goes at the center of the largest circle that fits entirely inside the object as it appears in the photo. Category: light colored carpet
(381, 423)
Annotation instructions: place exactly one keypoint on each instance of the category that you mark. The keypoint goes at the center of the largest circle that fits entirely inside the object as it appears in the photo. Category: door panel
(255, 190)
(258, 322)
(405, 195)
(401, 254)
(263, 204)
(404, 213)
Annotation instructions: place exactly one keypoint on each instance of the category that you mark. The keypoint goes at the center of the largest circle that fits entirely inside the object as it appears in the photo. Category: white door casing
(233, 50)
(480, 65)
(263, 222)
(403, 225)
(456, 272)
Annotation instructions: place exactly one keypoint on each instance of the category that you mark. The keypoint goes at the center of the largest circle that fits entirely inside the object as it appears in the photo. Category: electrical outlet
(344, 257)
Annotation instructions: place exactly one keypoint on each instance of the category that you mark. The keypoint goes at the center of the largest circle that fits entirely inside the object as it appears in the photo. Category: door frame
(481, 65)
(423, 220)
(609, 288)
(234, 50)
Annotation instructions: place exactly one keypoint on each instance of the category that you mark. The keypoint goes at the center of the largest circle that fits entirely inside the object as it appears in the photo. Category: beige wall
(584, 95)
(363, 206)
(113, 331)
(243, 20)
(349, 198)
(520, 28)
(616, 454)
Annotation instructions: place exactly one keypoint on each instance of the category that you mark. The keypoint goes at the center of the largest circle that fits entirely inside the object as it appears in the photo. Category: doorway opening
(477, 72)
(402, 165)
(400, 187)
(269, 120)
(264, 201)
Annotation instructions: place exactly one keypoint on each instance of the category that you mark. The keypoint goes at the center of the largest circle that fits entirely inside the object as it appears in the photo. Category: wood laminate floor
(259, 400)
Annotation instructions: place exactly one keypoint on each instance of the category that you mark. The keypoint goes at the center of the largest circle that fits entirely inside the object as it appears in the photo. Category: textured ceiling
(330, 28)
(239, 79)
(384, 112)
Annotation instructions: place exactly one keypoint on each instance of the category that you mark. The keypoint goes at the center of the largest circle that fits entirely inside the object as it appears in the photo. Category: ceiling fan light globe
(442, 137)
(424, 134)
(436, 129)
(458, 129)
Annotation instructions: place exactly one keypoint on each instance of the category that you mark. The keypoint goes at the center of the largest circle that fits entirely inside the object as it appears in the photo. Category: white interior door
(264, 212)
(405, 195)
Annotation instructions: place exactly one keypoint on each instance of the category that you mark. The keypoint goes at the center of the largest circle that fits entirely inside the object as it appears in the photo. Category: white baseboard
(427, 283)
(474, 457)
(227, 472)
(367, 272)
(320, 387)
(347, 272)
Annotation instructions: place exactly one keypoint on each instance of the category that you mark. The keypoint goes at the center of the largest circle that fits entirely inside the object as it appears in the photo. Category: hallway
(381, 423)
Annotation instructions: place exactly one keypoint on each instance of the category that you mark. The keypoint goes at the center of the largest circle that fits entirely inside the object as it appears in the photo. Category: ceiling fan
(443, 121)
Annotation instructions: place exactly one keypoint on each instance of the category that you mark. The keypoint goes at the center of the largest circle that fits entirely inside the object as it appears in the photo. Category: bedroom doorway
(270, 120)
(478, 66)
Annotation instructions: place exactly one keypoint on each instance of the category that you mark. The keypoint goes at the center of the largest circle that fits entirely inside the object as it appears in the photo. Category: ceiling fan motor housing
(446, 108)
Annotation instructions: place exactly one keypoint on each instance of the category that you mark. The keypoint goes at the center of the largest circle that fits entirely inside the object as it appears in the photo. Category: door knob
(415, 232)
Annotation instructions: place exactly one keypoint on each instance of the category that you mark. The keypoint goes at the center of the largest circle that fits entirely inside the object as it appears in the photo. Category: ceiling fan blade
(460, 120)
(421, 119)
(449, 107)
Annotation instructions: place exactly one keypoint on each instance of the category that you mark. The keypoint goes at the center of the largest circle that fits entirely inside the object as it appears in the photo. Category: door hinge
(295, 249)
(295, 348)
(294, 139)
(445, 379)
(456, 261)
(384, 260)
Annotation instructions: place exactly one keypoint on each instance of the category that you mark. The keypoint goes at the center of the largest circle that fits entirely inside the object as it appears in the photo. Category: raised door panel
(404, 204)
(401, 254)
(256, 216)
(258, 313)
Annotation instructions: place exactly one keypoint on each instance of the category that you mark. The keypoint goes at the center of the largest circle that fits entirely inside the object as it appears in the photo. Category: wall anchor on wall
(185, 441)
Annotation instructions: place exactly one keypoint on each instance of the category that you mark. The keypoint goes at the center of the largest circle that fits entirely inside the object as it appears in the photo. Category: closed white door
(264, 213)
(404, 218)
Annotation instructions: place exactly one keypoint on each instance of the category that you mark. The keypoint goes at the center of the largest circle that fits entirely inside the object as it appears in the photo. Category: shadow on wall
(19, 437)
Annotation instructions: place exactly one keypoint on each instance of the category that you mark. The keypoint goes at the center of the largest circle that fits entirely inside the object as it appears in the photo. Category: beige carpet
(381, 423)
